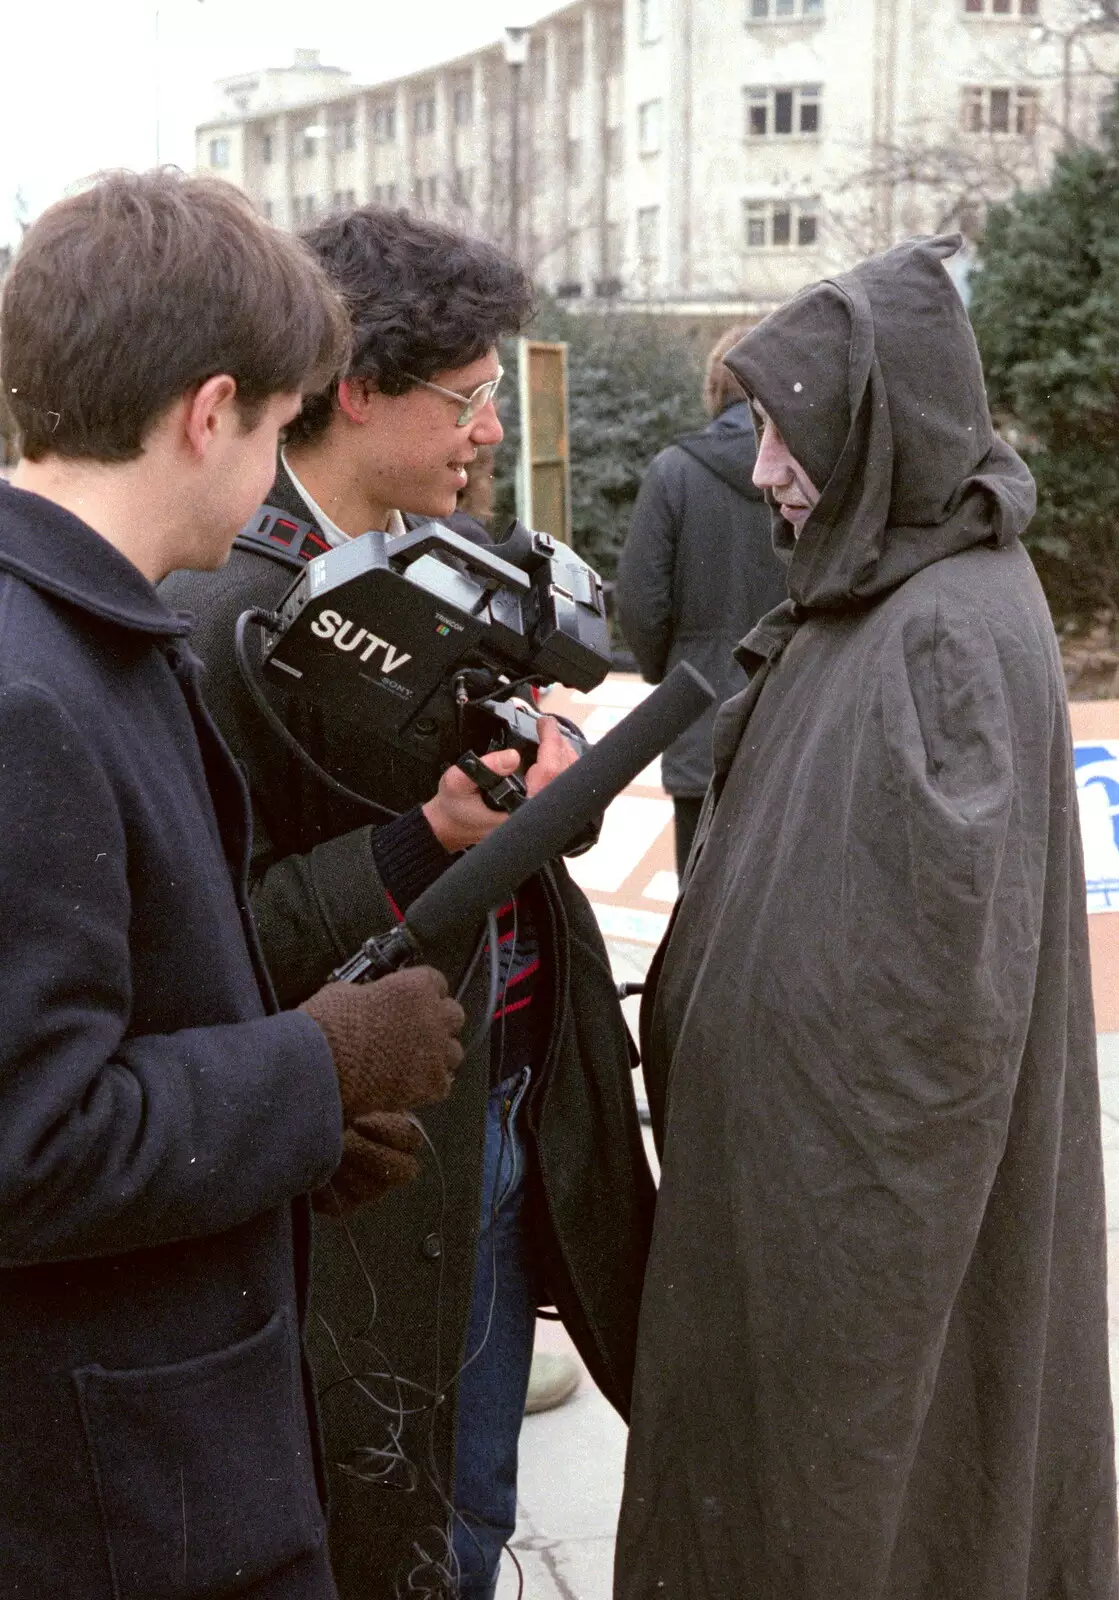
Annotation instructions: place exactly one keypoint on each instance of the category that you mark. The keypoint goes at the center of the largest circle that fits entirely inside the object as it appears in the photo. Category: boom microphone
(488, 873)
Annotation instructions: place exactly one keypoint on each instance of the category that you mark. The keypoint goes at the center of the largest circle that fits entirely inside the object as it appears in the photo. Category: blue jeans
(494, 1382)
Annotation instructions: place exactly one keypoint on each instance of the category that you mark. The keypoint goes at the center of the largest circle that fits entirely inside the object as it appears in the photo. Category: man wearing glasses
(534, 1189)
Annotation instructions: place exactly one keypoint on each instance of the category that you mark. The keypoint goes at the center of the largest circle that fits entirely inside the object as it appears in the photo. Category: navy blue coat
(697, 571)
(155, 1123)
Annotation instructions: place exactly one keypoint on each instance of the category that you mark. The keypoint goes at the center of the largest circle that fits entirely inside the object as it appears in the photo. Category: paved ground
(571, 1458)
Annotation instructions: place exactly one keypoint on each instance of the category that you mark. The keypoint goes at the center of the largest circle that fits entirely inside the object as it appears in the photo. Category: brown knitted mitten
(393, 1041)
(378, 1154)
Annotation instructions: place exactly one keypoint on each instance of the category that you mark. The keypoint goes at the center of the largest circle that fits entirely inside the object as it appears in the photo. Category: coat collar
(59, 554)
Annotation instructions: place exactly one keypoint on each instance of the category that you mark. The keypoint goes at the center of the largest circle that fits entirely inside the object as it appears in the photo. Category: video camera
(424, 638)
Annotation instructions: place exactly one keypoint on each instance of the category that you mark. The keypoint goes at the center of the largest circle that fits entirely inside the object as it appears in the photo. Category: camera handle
(433, 537)
(500, 792)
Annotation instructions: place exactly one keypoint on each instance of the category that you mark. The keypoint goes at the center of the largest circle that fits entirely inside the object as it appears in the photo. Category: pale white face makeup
(778, 470)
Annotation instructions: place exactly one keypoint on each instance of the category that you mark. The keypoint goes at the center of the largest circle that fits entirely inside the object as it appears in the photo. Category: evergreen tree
(1045, 306)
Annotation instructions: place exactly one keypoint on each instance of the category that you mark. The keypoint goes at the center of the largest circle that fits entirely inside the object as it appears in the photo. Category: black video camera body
(422, 638)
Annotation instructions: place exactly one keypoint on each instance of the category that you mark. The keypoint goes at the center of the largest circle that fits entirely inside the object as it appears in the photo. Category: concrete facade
(689, 154)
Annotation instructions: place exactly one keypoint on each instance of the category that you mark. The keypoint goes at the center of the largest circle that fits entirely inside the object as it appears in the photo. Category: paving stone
(571, 1468)
(1107, 1051)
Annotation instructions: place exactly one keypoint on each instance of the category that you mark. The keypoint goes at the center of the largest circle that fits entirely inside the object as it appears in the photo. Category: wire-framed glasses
(471, 403)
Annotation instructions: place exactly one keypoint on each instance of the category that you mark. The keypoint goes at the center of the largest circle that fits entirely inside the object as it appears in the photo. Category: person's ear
(207, 410)
(357, 398)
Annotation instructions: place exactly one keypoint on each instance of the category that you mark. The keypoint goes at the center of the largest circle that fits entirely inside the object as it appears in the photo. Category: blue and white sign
(1097, 789)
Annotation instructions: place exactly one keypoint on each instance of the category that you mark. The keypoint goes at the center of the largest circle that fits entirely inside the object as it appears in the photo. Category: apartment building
(688, 155)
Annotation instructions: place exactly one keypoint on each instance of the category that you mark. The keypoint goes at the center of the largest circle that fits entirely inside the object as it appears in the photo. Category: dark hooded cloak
(873, 1347)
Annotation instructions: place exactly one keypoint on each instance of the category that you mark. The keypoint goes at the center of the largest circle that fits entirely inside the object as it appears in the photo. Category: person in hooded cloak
(873, 1356)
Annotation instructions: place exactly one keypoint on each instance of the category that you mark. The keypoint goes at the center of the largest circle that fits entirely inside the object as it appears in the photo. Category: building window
(1000, 111)
(303, 208)
(783, 113)
(345, 133)
(783, 10)
(1001, 8)
(649, 24)
(219, 152)
(648, 234)
(463, 186)
(345, 199)
(464, 106)
(266, 210)
(268, 149)
(423, 114)
(780, 224)
(425, 193)
(310, 145)
(384, 124)
(649, 127)
(574, 161)
(384, 194)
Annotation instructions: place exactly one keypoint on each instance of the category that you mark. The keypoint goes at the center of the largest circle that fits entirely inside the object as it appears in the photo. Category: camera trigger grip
(500, 791)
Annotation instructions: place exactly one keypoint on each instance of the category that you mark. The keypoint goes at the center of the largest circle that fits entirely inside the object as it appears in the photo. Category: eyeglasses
(471, 404)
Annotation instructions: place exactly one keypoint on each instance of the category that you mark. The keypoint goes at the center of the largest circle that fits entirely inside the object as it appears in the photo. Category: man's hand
(459, 817)
(556, 755)
(378, 1154)
(394, 1041)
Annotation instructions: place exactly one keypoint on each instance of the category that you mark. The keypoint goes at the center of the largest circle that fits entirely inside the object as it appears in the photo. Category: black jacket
(155, 1123)
(697, 571)
(316, 894)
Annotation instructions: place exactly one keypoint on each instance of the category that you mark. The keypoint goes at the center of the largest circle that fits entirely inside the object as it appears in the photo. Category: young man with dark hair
(159, 1120)
(537, 1190)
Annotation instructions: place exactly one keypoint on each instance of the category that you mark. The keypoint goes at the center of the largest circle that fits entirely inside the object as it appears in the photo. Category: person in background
(698, 570)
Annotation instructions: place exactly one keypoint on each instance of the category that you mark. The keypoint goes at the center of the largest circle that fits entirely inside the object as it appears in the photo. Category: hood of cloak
(874, 381)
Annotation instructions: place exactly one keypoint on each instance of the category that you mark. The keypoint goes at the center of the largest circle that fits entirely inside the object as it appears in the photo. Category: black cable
(467, 976)
(266, 619)
(448, 1570)
(504, 690)
(392, 1457)
(486, 1023)
(505, 1142)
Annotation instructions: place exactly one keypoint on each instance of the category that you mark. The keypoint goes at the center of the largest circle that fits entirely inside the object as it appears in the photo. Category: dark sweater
(409, 858)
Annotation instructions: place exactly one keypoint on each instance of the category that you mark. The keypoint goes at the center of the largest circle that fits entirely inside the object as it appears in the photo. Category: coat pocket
(203, 1470)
